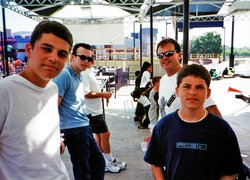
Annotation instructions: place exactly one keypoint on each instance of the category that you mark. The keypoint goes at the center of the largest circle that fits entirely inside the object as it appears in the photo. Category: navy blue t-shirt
(193, 151)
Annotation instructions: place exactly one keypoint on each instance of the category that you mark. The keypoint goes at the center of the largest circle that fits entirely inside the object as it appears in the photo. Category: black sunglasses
(83, 58)
(167, 54)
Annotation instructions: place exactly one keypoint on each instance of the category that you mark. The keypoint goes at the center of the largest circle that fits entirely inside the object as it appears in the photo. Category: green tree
(209, 43)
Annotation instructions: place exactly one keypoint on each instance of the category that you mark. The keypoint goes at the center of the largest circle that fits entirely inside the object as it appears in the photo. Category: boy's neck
(192, 116)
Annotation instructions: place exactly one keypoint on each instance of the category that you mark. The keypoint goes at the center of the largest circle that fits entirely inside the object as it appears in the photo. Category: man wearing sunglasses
(86, 157)
(93, 100)
(169, 53)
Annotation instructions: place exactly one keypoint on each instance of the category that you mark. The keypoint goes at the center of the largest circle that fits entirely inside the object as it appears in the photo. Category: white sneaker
(110, 167)
(121, 165)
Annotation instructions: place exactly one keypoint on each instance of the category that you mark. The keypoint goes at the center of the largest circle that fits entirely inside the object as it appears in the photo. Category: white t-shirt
(153, 110)
(29, 131)
(144, 101)
(145, 79)
(93, 105)
(168, 101)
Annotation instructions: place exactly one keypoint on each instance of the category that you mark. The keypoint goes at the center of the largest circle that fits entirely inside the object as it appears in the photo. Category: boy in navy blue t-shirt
(192, 143)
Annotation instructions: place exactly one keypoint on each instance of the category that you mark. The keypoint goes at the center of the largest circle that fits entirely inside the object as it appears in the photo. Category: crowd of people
(58, 105)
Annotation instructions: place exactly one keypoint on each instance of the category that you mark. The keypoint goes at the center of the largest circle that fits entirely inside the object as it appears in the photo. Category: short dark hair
(85, 46)
(171, 41)
(54, 27)
(156, 79)
(195, 70)
(137, 73)
(136, 93)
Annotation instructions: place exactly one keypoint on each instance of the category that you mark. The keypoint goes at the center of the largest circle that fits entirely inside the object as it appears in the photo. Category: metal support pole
(2, 45)
(166, 29)
(5, 57)
(224, 52)
(134, 41)
(186, 32)
(140, 45)
(176, 29)
(151, 39)
(231, 58)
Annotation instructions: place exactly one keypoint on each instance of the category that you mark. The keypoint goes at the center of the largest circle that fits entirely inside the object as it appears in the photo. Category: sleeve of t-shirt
(155, 154)
(209, 102)
(86, 84)
(62, 81)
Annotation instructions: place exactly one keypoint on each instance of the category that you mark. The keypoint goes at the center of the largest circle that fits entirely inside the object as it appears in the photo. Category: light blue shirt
(72, 108)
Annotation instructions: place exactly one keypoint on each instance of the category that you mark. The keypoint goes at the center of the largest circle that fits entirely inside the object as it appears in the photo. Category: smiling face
(170, 64)
(77, 64)
(193, 91)
(46, 59)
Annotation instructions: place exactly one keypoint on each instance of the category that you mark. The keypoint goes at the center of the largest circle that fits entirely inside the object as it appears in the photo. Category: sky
(17, 22)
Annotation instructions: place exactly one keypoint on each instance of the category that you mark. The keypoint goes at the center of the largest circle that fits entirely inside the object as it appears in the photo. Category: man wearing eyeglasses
(86, 157)
(169, 53)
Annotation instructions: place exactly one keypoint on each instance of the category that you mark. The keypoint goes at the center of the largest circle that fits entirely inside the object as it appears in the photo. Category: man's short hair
(84, 45)
(167, 41)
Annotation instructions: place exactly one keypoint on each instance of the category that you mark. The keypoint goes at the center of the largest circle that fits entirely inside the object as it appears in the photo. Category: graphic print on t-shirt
(163, 103)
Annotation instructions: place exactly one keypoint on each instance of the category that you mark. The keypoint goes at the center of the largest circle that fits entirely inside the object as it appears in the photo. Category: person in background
(145, 85)
(29, 119)
(192, 143)
(86, 157)
(145, 75)
(93, 101)
(144, 101)
(137, 79)
(153, 112)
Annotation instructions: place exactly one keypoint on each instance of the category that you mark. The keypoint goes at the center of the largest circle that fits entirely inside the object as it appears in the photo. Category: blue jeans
(86, 157)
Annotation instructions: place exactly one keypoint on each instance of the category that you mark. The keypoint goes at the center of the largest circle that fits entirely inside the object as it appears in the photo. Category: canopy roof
(129, 10)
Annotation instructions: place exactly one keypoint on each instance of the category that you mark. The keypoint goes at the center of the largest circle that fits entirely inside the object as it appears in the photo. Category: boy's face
(193, 92)
(46, 59)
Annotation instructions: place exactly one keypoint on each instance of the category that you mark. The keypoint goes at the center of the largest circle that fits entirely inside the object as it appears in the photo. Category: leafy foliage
(238, 52)
(210, 43)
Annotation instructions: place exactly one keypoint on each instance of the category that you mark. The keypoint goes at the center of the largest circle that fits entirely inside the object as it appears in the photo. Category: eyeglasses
(83, 58)
(167, 54)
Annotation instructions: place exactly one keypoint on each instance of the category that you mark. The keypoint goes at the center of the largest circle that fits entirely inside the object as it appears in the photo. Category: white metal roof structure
(117, 11)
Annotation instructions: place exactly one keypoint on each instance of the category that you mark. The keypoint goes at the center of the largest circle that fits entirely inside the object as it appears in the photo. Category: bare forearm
(93, 95)
(158, 172)
(232, 177)
(214, 109)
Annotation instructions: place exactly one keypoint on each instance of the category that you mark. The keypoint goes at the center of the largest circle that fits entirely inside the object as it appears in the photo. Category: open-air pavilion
(98, 17)
(184, 15)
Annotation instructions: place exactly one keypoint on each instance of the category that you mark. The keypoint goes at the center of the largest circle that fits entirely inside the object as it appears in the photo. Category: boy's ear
(208, 92)
(177, 91)
(28, 49)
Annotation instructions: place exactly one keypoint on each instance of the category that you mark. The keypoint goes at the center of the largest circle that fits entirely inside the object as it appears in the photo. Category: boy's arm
(93, 95)
(158, 172)
(146, 91)
(214, 109)
(232, 177)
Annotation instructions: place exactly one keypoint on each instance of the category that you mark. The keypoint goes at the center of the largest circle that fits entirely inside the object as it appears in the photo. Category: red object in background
(234, 90)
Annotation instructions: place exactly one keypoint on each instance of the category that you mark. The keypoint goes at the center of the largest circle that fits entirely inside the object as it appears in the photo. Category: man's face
(171, 63)
(46, 59)
(80, 61)
(193, 92)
